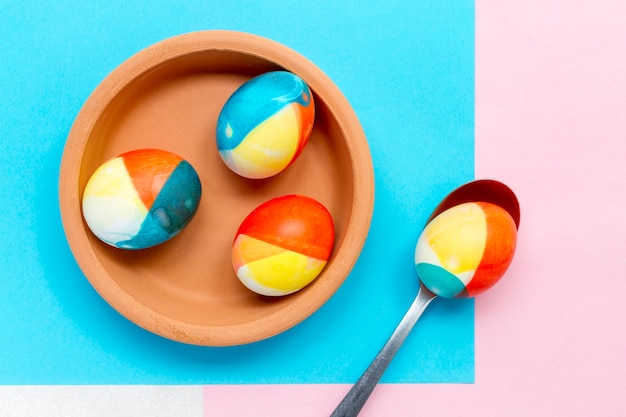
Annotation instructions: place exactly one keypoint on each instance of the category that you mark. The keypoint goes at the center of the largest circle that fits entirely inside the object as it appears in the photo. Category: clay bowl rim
(175, 48)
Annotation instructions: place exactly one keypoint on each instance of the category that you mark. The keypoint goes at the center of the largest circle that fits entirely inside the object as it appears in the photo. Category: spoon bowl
(488, 191)
(475, 226)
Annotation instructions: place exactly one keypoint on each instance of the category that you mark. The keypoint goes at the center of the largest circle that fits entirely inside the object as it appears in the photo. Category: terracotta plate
(168, 96)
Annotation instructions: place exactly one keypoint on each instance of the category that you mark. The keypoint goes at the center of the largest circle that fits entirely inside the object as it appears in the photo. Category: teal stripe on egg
(256, 101)
(172, 210)
(439, 280)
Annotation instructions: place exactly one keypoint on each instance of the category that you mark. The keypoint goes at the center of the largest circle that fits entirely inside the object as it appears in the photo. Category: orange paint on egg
(293, 222)
(149, 169)
(500, 247)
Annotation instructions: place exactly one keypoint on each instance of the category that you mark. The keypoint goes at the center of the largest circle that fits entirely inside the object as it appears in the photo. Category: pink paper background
(551, 123)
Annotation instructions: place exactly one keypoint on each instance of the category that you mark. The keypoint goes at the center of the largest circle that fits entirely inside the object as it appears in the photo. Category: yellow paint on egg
(270, 270)
(111, 202)
(458, 237)
(270, 146)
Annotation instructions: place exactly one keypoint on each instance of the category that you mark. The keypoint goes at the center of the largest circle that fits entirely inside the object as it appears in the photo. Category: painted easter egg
(465, 249)
(283, 245)
(265, 124)
(141, 198)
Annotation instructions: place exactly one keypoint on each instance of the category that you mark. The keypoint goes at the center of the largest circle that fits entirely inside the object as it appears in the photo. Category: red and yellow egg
(283, 245)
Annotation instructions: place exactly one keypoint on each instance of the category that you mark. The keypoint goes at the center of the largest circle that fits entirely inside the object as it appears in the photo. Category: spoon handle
(354, 401)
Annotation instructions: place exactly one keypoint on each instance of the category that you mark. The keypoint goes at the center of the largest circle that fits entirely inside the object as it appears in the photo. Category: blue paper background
(407, 67)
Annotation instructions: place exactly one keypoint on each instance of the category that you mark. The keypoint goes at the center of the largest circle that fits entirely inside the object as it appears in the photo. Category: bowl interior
(169, 97)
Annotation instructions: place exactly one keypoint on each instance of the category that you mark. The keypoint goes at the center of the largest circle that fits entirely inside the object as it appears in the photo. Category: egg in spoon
(466, 247)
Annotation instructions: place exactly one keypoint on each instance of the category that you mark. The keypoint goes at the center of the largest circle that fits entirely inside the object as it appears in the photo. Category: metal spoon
(488, 191)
